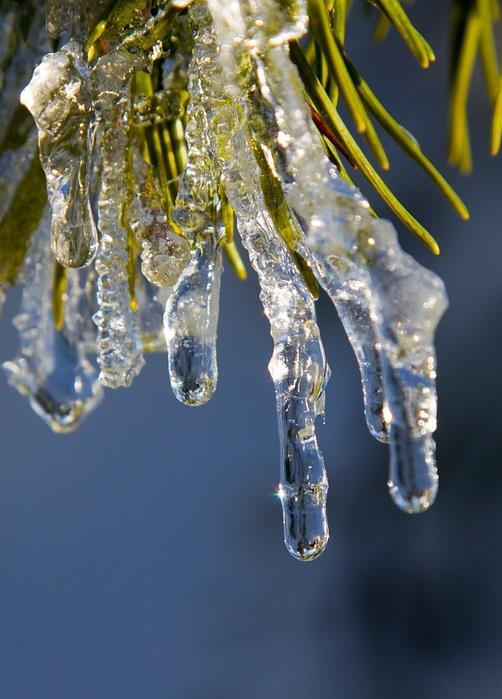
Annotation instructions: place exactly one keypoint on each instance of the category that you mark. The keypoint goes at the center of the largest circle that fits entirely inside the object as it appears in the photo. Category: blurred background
(142, 557)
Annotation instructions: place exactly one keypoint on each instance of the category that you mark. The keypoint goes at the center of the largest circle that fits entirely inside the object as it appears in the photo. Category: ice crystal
(155, 126)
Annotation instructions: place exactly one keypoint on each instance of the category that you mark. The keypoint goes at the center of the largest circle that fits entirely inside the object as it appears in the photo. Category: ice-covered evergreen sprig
(139, 138)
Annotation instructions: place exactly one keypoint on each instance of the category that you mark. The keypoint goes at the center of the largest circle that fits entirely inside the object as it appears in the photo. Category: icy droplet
(191, 321)
(59, 101)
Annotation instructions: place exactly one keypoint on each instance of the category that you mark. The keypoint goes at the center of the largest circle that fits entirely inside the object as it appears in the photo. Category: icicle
(191, 318)
(51, 368)
(298, 366)
(390, 309)
(412, 301)
(59, 101)
(120, 356)
(349, 287)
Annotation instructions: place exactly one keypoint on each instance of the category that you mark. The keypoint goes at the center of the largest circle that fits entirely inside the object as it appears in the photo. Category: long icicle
(119, 352)
(191, 318)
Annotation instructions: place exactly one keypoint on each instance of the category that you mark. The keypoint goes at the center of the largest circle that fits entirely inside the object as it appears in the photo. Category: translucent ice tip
(61, 417)
(305, 527)
(412, 503)
(413, 481)
(306, 549)
(192, 370)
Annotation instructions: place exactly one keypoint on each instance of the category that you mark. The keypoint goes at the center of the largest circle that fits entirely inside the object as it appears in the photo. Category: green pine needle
(325, 107)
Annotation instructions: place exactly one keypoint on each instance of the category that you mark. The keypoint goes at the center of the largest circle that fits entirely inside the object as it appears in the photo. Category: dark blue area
(142, 556)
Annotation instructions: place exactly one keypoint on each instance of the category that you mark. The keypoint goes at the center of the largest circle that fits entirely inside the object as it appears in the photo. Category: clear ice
(75, 18)
(52, 368)
(164, 254)
(191, 318)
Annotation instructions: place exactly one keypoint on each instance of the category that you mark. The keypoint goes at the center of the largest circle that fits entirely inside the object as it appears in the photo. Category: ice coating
(59, 100)
(356, 259)
(51, 367)
(164, 253)
(119, 352)
(151, 302)
(298, 366)
(14, 165)
(74, 18)
(191, 318)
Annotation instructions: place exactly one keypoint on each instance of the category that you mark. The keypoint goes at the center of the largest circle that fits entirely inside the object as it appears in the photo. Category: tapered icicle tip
(306, 531)
(62, 418)
(413, 502)
(192, 370)
(413, 479)
(307, 550)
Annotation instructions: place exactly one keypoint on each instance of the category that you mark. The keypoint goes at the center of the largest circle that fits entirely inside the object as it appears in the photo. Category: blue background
(143, 556)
